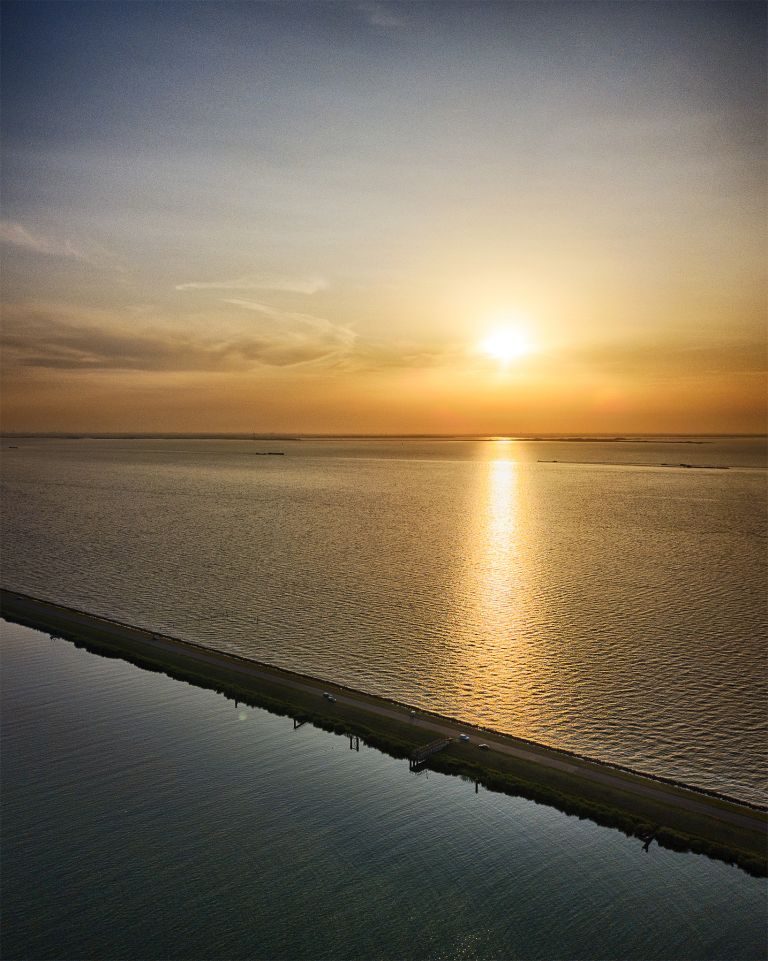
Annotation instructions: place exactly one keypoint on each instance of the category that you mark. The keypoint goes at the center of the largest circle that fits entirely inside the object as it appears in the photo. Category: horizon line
(300, 435)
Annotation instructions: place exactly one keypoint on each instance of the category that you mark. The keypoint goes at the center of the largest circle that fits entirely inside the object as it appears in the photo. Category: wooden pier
(420, 755)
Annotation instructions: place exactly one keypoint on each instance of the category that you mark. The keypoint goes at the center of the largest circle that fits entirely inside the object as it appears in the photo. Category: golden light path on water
(497, 586)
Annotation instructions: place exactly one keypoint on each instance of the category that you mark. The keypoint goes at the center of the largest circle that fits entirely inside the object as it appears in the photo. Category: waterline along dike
(653, 809)
(147, 817)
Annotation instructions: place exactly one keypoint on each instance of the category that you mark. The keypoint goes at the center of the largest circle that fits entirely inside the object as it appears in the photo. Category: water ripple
(619, 613)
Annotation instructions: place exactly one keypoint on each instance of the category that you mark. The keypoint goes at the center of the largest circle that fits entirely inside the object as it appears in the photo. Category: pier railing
(420, 755)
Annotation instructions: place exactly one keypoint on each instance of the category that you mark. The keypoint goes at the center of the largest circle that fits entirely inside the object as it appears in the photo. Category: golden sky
(374, 217)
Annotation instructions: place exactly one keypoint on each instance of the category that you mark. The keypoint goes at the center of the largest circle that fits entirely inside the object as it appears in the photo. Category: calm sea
(145, 818)
(579, 594)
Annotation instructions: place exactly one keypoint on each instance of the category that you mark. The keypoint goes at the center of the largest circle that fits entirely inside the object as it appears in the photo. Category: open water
(148, 819)
(575, 593)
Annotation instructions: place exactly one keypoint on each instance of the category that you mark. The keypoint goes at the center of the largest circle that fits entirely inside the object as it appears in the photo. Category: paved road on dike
(427, 724)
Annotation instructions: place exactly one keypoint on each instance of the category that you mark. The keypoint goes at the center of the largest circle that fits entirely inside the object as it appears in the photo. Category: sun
(506, 344)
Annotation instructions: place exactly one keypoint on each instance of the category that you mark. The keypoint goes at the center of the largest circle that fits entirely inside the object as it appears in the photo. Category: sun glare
(505, 345)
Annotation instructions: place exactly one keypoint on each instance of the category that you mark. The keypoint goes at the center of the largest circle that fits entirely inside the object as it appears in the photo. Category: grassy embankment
(618, 806)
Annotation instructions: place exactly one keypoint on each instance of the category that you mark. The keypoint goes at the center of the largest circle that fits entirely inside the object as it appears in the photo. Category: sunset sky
(384, 217)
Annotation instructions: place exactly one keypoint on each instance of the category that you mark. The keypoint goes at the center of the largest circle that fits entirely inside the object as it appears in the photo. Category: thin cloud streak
(380, 15)
(60, 338)
(17, 235)
(296, 285)
(343, 334)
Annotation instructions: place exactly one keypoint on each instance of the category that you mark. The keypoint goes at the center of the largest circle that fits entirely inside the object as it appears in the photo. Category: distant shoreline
(678, 816)
(533, 437)
(610, 463)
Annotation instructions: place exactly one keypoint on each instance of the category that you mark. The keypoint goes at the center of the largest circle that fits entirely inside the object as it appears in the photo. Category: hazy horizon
(299, 435)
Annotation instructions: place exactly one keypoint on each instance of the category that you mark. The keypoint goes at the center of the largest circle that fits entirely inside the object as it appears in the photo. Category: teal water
(145, 818)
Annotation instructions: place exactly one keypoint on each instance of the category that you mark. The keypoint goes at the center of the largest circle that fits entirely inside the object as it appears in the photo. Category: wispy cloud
(297, 334)
(380, 14)
(350, 352)
(369, 356)
(297, 285)
(17, 235)
(63, 338)
(252, 335)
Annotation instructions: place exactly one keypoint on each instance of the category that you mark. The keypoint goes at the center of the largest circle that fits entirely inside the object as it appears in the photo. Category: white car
(464, 737)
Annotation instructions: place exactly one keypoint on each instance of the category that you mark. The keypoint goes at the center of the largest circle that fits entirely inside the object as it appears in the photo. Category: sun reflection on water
(501, 526)
(497, 549)
(495, 590)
